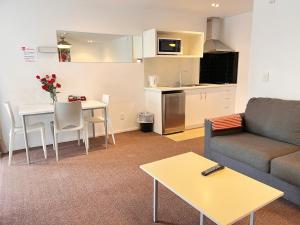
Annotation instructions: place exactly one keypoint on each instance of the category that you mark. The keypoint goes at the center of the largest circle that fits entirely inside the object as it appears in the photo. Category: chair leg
(56, 146)
(78, 137)
(52, 133)
(113, 138)
(83, 137)
(11, 146)
(87, 128)
(111, 131)
(43, 142)
(86, 142)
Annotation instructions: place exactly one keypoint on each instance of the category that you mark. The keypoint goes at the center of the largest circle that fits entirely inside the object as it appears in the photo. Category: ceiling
(203, 7)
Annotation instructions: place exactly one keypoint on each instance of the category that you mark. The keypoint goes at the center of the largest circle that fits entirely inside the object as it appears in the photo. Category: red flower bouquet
(50, 85)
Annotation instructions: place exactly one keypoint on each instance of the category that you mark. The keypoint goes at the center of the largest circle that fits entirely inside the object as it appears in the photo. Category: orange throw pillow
(226, 122)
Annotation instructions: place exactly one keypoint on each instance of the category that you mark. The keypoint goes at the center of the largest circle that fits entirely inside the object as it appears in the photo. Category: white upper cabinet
(191, 43)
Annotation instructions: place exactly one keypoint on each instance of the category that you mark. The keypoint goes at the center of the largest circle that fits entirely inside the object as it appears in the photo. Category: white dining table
(41, 109)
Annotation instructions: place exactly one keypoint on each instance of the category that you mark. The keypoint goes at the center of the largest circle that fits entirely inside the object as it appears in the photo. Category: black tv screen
(219, 68)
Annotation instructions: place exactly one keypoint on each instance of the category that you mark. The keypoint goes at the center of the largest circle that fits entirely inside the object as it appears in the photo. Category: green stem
(53, 96)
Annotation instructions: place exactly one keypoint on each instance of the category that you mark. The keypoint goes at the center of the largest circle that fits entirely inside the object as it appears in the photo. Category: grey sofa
(267, 148)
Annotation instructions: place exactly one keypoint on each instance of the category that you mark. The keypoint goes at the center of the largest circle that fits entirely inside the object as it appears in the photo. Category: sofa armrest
(208, 124)
(209, 133)
(243, 118)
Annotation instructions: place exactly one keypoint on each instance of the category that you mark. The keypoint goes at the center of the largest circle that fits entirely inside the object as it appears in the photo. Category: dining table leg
(94, 133)
(25, 138)
(106, 126)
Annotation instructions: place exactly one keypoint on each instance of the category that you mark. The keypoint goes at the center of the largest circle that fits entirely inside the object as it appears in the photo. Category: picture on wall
(64, 55)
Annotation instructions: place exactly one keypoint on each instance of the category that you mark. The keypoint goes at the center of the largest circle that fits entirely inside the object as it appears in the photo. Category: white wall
(34, 23)
(236, 33)
(276, 49)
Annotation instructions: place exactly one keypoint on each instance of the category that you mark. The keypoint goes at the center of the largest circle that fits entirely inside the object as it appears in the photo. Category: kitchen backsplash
(167, 70)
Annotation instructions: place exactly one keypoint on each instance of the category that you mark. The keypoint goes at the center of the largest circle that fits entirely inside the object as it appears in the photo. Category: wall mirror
(92, 47)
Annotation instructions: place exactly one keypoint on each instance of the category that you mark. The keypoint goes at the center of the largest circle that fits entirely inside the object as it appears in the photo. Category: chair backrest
(8, 108)
(68, 115)
(105, 99)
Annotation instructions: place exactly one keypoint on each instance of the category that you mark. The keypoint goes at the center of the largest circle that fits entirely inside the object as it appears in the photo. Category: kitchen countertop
(163, 89)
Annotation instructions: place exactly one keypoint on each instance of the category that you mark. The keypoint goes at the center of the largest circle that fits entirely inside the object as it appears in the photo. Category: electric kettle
(152, 81)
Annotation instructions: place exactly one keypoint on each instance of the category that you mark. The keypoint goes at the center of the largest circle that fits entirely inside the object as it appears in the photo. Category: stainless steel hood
(213, 43)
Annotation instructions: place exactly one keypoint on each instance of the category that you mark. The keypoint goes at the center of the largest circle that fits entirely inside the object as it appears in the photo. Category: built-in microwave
(169, 46)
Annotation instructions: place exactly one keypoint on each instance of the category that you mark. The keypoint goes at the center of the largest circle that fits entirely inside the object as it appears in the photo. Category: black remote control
(212, 170)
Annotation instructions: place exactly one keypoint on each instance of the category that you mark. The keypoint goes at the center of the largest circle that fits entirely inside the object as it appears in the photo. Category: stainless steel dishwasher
(173, 110)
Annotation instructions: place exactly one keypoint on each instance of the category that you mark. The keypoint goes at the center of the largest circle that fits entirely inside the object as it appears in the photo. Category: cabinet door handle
(205, 95)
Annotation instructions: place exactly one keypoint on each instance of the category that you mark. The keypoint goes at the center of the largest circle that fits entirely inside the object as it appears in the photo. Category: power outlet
(272, 1)
(122, 116)
(266, 77)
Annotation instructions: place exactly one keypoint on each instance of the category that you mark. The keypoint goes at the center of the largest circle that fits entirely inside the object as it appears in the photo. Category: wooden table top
(225, 196)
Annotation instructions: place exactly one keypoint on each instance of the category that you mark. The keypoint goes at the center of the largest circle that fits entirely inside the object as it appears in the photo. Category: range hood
(213, 43)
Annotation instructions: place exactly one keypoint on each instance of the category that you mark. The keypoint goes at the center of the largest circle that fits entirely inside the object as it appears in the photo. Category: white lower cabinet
(200, 103)
(195, 109)
(208, 103)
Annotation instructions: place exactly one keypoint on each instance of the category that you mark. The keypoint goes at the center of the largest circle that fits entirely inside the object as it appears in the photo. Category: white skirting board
(119, 131)
(5, 149)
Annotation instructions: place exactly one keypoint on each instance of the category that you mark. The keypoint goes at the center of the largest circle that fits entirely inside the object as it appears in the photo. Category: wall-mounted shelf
(191, 43)
(47, 49)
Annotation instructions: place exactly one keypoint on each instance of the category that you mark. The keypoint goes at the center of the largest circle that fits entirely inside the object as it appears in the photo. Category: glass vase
(53, 98)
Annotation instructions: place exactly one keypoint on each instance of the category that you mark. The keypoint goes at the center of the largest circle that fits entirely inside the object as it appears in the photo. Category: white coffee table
(225, 197)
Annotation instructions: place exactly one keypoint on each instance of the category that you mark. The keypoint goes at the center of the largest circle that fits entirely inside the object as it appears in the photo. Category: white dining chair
(19, 130)
(68, 116)
(101, 119)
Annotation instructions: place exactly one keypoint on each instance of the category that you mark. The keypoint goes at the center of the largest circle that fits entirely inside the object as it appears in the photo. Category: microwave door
(169, 46)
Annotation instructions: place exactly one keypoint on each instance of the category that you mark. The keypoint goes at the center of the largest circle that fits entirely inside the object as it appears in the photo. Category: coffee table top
(225, 196)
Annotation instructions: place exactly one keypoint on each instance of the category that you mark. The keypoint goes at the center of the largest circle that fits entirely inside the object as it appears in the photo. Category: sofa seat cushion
(287, 168)
(254, 150)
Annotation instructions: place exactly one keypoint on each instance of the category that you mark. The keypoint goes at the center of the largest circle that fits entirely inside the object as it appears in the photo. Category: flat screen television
(219, 68)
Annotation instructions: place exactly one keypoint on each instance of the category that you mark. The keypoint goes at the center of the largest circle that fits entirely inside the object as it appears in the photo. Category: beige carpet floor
(106, 187)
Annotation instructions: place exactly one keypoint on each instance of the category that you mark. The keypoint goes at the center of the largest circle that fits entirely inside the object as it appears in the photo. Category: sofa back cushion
(274, 118)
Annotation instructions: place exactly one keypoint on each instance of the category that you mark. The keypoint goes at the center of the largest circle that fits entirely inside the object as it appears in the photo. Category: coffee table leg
(201, 219)
(155, 200)
(252, 218)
